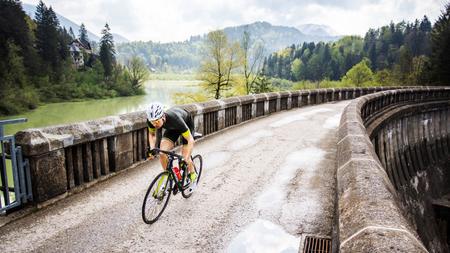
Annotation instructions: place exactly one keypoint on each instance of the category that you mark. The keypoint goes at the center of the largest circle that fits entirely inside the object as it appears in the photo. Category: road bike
(168, 182)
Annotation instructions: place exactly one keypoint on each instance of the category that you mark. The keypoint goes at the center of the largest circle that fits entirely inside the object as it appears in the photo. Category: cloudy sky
(176, 20)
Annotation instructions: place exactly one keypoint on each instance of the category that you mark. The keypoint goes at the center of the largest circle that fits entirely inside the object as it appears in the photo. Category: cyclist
(175, 122)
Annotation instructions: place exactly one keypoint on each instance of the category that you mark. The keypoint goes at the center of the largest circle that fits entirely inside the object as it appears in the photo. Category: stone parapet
(68, 156)
(372, 216)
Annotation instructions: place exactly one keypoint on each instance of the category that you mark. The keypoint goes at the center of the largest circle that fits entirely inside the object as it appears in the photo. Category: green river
(70, 112)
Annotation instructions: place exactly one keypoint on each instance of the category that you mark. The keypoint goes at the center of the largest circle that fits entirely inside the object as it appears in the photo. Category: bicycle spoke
(155, 203)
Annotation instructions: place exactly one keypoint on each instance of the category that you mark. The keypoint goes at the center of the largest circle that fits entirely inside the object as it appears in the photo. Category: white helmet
(155, 111)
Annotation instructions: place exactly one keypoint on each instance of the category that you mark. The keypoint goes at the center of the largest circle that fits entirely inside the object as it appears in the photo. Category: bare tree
(220, 61)
(253, 55)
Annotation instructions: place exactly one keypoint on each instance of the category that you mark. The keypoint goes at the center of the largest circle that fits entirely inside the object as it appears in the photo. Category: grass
(9, 174)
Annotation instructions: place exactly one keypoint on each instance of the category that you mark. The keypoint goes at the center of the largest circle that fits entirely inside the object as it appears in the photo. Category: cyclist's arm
(152, 137)
(151, 140)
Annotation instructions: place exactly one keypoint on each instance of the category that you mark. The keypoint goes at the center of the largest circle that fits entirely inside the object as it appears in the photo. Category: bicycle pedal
(175, 190)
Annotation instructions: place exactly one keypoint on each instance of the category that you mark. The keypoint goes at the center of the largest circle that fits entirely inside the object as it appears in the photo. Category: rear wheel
(156, 200)
(198, 165)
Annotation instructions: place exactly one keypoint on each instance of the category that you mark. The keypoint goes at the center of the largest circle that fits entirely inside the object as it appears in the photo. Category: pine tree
(83, 36)
(47, 37)
(40, 19)
(107, 51)
(72, 35)
(14, 29)
(15, 51)
(53, 35)
(440, 46)
(64, 39)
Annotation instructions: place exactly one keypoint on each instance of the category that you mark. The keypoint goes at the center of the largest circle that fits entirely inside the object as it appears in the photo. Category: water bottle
(177, 173)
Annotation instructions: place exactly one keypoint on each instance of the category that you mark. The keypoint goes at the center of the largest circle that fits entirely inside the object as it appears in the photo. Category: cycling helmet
(155, 111)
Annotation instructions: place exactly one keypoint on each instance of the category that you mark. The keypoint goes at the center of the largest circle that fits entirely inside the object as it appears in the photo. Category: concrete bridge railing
(388, 146)
(68, 158)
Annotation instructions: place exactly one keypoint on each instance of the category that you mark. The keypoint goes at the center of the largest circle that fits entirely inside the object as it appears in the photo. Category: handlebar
(170, 153)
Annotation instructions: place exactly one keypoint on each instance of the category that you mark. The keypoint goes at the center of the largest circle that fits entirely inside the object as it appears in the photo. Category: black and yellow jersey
(178, 122)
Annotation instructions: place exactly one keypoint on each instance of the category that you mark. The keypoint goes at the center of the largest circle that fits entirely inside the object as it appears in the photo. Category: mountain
(278, 37)
(119, 38)
(30, 10)
(186, 55)
(317, 30)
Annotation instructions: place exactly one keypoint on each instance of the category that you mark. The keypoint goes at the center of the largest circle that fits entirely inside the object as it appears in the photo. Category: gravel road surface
(266, 185)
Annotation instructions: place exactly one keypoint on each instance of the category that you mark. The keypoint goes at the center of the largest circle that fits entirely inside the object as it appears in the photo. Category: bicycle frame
(163, 198)
(172, 157)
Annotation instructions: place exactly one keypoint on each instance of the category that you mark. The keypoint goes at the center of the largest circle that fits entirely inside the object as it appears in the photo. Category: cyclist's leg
(192, 173)
(167, 143)
(184, 149)
(184, 152)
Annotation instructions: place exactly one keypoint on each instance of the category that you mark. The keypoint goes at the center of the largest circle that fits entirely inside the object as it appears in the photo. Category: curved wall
(393, 148)
(412, 143)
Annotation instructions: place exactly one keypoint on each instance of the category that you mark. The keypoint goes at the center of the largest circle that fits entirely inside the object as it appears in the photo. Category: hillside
(185, 56)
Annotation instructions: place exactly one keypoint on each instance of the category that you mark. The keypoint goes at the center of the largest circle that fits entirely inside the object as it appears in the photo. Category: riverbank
(69, 112)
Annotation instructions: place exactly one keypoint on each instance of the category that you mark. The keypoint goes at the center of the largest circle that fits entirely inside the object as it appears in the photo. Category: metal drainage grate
(316, 245)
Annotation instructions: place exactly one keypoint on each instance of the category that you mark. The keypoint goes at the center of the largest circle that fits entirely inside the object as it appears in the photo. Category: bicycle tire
(198, 166)
(152, 202)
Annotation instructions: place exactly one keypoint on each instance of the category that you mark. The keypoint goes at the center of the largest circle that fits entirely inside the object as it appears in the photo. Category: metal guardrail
(13, 165)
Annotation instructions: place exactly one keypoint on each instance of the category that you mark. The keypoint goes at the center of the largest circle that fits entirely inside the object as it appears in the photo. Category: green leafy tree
(107, 51)
(359, 74)
(440, 44)
(137, 73)
(419, 74)
(17, 95)
(296, 68)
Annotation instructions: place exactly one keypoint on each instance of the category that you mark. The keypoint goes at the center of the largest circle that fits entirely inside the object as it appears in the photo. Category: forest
(396, 54)
(38, 64)
(37, 67)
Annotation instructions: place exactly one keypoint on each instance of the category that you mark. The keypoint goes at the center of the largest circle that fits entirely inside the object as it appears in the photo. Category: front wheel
(156, 198)
(198, 165)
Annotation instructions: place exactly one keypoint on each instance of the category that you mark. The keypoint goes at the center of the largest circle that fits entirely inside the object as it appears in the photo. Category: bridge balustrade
(67, 158)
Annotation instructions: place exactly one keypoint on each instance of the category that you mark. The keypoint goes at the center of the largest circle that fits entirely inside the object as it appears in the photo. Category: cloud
(176, 20)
